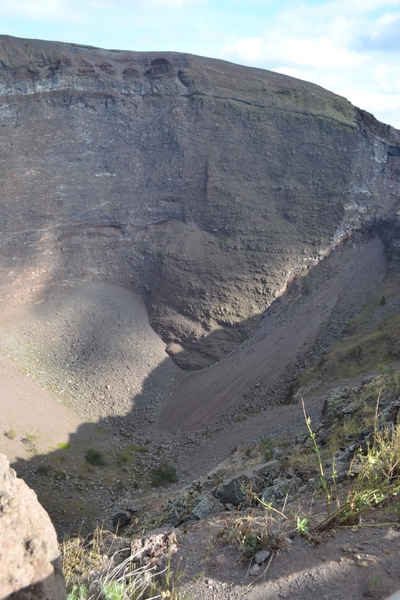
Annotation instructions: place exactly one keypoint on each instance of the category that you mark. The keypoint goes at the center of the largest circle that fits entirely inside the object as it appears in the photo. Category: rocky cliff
(30, 562)
(203, 185)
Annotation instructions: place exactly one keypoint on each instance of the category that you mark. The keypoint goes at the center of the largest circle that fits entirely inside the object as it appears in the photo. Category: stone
(206, 505)
(261, 556)
(30, 562)
(233, 491)
(120, 519)
(254, 570)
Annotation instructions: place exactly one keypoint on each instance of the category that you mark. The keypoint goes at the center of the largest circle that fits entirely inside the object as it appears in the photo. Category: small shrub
(124, 456)
(240, 419)
(60, 474)
(11, 434)
(267, 446)
(248, 534)
(94, 458)
(382, 301)
(101, 431)
(29, 441)
(164, 475)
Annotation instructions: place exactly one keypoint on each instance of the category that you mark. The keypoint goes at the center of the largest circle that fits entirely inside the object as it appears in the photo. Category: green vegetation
(370, 338)
(30, 440)
(64, 446)
(60, 474)
(266, 446)
(247, 533)
(94, 458)
(11, 434)
(164, 475)
(369, 488)
(89, 577)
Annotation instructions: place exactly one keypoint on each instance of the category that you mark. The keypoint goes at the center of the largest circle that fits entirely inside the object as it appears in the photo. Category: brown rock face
(202, 185)
(30, 563)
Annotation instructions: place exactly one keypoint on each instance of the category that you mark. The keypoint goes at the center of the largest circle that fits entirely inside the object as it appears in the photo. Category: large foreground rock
(30, 562)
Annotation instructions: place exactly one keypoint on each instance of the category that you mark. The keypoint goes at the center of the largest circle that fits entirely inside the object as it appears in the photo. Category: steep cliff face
(203, 185)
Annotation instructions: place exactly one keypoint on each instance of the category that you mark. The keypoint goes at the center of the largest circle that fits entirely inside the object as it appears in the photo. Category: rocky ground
(96, 342)
(224, 544)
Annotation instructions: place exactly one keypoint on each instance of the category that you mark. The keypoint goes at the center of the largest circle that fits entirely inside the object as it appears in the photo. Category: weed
(60, 474)
(391, 377)
(30, 442)
(374, 586)
(322, 479)
(89, 577)
(11, 434)
(94, 458)
(64, 446)
(101, 431)
(78, 592)
(267, 447)
(376, 478)
(247, 533)
(126, 454)
(301, 525)
(239, 419)
(164, 475)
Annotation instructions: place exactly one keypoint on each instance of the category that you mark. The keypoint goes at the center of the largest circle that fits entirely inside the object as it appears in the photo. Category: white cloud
(338, 45)
(349, 46)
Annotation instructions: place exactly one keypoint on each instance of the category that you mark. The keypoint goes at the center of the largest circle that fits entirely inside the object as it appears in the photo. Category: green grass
(89, 576)
(64, 446)
(370, 338)
(127, 454)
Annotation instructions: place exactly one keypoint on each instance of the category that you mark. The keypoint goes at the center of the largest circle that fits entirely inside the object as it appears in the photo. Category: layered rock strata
(204, 186)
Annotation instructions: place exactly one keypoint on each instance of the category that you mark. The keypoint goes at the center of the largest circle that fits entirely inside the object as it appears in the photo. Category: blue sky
(351, 47)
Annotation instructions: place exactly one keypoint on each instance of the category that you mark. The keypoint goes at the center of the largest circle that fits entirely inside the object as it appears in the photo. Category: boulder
(206, 505)
(30, 562)
(235, 490)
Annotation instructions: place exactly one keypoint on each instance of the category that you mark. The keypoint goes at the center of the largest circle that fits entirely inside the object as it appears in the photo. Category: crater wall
(203, 185)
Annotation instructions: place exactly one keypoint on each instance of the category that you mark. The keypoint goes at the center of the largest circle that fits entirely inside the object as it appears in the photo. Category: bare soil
(357, 563)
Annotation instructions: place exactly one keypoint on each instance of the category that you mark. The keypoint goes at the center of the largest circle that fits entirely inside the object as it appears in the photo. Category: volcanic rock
(30, 563)
(202, 185)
